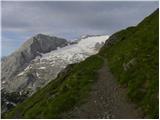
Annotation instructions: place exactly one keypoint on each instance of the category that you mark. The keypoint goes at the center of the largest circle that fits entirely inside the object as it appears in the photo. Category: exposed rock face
(21, 58)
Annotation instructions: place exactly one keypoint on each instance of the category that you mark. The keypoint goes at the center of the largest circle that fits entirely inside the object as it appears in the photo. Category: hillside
(131, 55)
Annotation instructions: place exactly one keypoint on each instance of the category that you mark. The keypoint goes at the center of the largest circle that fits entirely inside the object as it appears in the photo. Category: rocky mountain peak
(43, 43)
(33, 47)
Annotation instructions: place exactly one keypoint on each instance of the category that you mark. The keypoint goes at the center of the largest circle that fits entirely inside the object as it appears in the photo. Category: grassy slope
(141, 78)
(139, 44)
(60, 94)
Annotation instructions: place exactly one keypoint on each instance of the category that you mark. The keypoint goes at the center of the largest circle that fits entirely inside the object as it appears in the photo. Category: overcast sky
(70, 20)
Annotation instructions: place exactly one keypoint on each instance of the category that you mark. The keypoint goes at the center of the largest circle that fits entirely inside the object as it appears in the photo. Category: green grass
(142, 76)
(61, 94)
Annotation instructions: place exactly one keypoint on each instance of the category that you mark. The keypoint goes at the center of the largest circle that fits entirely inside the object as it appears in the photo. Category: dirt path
(107, 100)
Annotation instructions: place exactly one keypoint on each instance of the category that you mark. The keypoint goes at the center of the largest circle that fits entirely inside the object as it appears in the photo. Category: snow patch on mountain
(76, 52)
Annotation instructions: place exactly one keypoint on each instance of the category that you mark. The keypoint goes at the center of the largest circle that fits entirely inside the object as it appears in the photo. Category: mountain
(17, 61)
(47, 62)
(41, 58)
(126, 66)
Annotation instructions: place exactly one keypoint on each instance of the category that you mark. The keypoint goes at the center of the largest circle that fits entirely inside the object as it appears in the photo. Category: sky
(70, 20)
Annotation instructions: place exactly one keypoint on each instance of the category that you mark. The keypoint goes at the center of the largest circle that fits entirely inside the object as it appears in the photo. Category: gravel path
(106, 100)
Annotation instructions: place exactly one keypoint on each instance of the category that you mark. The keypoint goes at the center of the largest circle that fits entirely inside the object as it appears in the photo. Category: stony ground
(107, 99)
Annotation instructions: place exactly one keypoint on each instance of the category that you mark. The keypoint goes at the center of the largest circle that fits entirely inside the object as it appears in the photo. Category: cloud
(21, 20)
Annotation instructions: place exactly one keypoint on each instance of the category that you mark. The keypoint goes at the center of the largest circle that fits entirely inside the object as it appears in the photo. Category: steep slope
(46, 66)
(60, 94)
(17, 61)
(106, 99)
(132, 56)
